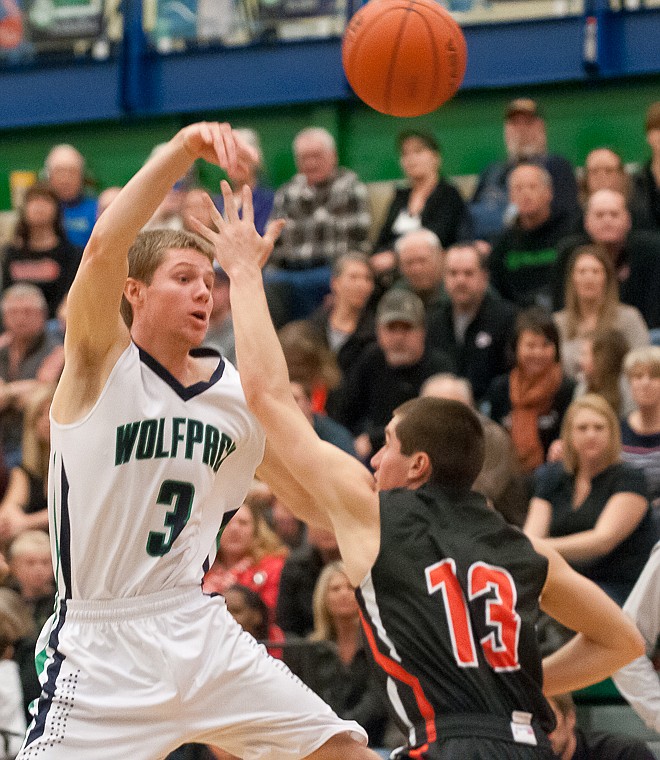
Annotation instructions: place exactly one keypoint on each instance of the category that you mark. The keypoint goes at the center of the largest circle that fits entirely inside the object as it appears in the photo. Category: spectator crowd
(536, 301)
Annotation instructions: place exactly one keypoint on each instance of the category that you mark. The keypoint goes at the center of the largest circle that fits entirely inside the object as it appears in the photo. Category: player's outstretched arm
(336, 483)
(606, 637)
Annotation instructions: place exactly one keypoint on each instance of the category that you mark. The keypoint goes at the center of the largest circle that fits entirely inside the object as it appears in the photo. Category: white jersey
(138, 487)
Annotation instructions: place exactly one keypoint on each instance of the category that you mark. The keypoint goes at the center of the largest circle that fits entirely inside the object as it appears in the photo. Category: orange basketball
(404, 57)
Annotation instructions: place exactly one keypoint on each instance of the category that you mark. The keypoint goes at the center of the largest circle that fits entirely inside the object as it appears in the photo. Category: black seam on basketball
(430, 106)
(352, 57)
(395, 50)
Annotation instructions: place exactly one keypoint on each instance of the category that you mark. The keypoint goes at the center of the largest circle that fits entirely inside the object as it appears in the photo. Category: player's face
(178, 300)
(340, 598)
(590, 436)
(645, 386)
(390, 466)
(589, 278)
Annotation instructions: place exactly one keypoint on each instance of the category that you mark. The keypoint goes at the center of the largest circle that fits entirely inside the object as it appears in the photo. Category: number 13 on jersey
(500, 646)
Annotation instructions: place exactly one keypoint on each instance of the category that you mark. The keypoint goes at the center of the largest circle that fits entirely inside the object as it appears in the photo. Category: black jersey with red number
(449, 610)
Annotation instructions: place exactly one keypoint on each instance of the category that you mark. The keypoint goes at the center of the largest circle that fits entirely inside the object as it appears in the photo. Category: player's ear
(132, 290)
(419, 469)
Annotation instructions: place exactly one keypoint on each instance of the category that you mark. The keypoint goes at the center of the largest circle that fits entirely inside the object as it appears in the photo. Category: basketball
(404, 57)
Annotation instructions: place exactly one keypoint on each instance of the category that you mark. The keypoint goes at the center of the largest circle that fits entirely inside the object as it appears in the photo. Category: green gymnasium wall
(579, 117)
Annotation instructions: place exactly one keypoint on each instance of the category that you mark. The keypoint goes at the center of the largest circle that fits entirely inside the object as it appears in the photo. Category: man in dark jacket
(474, 326)
(389, 372)
(523, 258)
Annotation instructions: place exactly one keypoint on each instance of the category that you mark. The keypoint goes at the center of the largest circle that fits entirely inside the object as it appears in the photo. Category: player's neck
(171, 354)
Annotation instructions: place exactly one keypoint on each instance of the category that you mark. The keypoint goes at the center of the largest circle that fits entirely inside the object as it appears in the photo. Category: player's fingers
(273, 231)
(244, 151)
(200, 228)
(248, 209)
(219, 146)
(216, 216)
(231, 210)
(206, 133)
(229, 142)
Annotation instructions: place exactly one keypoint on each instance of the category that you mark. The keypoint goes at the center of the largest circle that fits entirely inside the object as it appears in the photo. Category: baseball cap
(399, 305)
(522, 105)
(653, 116)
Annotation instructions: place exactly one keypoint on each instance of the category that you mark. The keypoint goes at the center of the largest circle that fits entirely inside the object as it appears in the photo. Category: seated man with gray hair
(327, 214)
(420, 261)
(27, 344)
(65, 170)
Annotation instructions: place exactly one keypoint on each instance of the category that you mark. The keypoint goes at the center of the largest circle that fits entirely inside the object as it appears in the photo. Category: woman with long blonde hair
(249, 553)
(592, 507)
(334, 662)
(592, 304)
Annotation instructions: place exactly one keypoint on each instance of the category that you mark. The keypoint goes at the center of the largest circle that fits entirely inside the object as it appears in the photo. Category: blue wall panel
(141, 82)
(57, 94)
(244, 77)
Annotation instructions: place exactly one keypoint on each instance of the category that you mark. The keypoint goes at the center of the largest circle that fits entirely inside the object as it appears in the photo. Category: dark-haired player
(448, 592)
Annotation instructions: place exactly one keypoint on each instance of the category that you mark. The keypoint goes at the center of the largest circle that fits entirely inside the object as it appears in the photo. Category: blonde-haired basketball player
(152, 443)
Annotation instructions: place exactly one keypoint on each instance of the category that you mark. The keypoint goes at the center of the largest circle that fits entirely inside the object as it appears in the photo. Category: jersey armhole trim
(104, 390)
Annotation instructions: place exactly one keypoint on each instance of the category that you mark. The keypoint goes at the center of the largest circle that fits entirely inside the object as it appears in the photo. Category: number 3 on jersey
(500, 646)
(181, 496)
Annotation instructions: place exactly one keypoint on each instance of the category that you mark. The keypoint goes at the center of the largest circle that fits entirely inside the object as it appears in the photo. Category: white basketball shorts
(137, 678)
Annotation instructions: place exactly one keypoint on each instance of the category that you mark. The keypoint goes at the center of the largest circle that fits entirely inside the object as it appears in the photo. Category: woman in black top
(593, 508)
(427, 200)
(40, 252)
(334, 661)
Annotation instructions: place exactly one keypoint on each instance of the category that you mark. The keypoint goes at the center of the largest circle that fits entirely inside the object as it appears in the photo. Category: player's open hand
(218, 144)
(236, 240)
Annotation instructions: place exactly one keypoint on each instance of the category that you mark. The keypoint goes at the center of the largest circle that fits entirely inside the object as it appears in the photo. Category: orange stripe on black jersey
(396, 671)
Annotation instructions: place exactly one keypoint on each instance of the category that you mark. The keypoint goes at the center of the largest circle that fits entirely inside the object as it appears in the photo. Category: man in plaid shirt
(327, 214)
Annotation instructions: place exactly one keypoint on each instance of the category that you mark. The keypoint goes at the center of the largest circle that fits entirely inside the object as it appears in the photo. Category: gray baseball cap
(399, 305)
